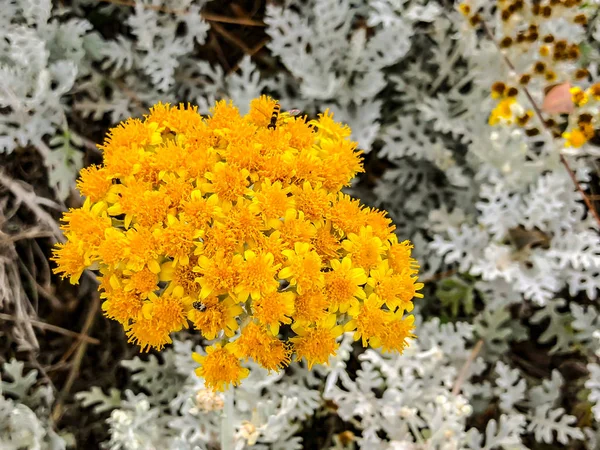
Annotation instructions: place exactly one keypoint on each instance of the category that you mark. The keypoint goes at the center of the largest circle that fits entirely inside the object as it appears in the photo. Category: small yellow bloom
(317, 344)
(311, 307)
(212, 316)
(143, 282)
(399, 255)
(343, 284)
(94, 183)
(228, 183)
(273, 309)
(313, 202)
(574, 138)
(217, 275)
(302, 268)
(264, 348)
(122, 306)
(157, 320)
(364, 248)
(256, 276)
(396, 333)
(70, 260)
(369, 321)
(503, 112)
(272, 201)
(220, 367)
(579, 96)
(396, 290)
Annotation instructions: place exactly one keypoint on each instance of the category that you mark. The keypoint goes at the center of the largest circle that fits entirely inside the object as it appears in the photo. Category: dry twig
(57, 411)
(440, 276)
(462, 376)
(33, 202)
(206, 16)
(50, 327)
(252, 52)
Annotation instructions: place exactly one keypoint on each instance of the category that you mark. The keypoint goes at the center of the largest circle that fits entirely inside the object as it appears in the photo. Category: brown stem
(462, 376)
(206, 16)
(57, 411)
(50, 327)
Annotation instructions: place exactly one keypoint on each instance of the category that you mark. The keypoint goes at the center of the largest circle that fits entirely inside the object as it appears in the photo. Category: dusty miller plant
(25, 411)
(490, 207)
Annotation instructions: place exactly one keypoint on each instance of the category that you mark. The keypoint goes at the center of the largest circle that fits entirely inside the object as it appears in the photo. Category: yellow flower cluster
(236, 225)
(543, 66)
(583, 125)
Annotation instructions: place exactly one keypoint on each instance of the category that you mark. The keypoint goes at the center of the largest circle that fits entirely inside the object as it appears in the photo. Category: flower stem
(227, 428)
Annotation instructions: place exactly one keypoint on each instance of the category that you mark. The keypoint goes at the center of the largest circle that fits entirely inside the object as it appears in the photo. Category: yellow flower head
(344, 283)
(236, 226)
(317, 344)
(579, 96)
(220, 367)
(263, 347)
(504, 111)
(211, 316)
(575, 138)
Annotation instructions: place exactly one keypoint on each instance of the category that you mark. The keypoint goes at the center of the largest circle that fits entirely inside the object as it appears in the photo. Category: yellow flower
(139, 203)
(369, 321)
(574, 138)
(503, 112)
(263, 347)
(327, 127)
(220, 367)
(176, 240)
(143, 282)
(314, 203)
(94, 183)
(158, 318)
(272, 201)
(399, 255)
(211, 316)
(364, 248)
(113, 249)
(579, 96)
(228, 183)
(180, 277)
(295, 228)
(317, 344)
(396, 290)
(125, 147)
(70, 260)
(346, 214)
(343, 284)
(274, 309)
(302, 268)
(326, 242)
(183, 119)
(397, 331)
(341, 161)
(143, 249)
(381, 224)
(256, 276)
(200, 211)
(310, 307)
(218, 275)
(87, 223)
(120, 305)
(272, 244)
(236, 225)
